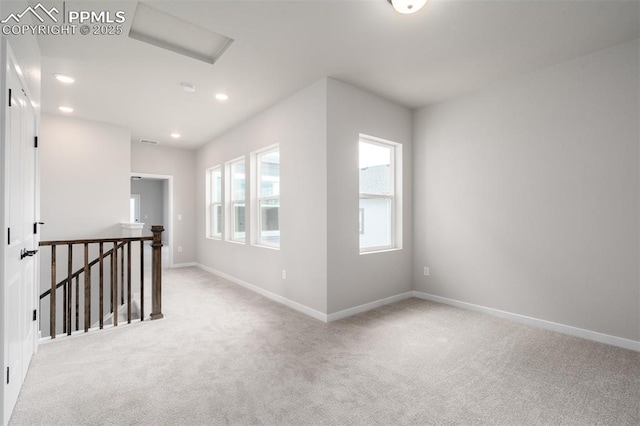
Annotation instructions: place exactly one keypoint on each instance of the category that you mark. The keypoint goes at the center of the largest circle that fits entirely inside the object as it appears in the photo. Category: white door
(20, 260)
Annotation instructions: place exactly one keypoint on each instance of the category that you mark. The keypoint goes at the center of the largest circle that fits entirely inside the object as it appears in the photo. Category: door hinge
(35, 226)
(35, 315)
(35, 141)
(9, 97)
(7, 375)
(8, 236)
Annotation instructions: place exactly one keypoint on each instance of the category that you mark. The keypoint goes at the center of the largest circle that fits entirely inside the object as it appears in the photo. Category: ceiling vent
(149, 142)
(177, 35)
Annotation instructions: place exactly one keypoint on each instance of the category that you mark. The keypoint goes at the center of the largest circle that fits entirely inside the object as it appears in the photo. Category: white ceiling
(447, 49)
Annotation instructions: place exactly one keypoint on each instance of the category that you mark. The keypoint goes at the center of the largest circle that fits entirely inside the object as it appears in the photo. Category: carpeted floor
(225, 355)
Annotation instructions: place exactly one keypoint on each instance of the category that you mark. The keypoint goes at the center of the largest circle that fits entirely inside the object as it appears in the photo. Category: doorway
(134, 207)
(151, 203)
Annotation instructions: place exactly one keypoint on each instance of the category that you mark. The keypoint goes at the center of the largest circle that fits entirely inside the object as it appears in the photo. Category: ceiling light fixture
(64, 78)
(222, 97)
(175, 135)
(65, 109)
(407, 6)
(188, 87)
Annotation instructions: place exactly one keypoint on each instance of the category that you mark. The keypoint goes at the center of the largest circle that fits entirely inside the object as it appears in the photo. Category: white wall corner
(535, 322)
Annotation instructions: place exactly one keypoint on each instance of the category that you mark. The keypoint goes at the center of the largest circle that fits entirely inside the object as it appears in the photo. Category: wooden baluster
(141, 280)
(77, 302)
(122, 275)
(87, 289)
(114, 284)
(70, 284)
(101, 285)
(64, 307)
(156, 273)
(129, 282)
(52, 295)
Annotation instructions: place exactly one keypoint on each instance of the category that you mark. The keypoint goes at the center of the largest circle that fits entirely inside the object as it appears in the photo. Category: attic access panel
(169, 32)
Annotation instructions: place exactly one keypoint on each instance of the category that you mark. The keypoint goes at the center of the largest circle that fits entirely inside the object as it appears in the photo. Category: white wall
(298, 124)
(85, 189)
(355, 279)
(85, 168)
(527, 195)
(179, 163)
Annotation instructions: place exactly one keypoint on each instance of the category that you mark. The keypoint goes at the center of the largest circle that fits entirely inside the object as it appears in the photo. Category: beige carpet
(224, 355)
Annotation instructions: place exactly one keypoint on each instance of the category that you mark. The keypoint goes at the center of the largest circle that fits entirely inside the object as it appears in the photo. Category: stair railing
(119, 248)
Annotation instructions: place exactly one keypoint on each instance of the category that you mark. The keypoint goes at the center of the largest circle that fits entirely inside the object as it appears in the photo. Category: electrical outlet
(179, 249)
(284, 274)
(426, 271)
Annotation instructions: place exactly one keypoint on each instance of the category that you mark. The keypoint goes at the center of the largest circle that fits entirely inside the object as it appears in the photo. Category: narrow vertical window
(379, 213)
(237, 200)
(268, 197)
(215, 203)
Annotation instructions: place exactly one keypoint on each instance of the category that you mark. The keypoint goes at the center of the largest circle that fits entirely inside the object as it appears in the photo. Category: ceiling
(449, 48)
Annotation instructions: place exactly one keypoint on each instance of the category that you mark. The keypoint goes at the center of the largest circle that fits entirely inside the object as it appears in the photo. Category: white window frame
(257, 197)
(214, 202)
(231, 202)
(395, 196)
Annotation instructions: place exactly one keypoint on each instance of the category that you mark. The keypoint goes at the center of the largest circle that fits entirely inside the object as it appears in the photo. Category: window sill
(381, 250)
(267, 247)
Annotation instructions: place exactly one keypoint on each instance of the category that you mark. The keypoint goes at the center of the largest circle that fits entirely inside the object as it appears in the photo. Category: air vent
(149, 142)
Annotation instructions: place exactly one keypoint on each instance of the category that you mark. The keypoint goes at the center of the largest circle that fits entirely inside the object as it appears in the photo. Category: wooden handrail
(118, 243)
(97, 240)
(79, 271)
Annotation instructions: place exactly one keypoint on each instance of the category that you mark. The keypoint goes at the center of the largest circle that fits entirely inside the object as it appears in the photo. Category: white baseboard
(522, 319)
(368, 306)
(268, 294)
(535, 322)
(183, 265)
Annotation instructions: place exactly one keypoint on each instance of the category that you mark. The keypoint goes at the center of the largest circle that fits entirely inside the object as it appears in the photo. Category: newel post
(156, 272)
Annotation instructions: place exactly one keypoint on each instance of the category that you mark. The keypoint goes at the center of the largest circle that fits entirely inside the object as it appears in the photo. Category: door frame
(169, 195)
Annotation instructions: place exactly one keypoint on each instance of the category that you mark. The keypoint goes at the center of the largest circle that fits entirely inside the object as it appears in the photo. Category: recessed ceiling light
(188, 87)
(65, 109)
(64, 78)
(175, 135)
(221, 97)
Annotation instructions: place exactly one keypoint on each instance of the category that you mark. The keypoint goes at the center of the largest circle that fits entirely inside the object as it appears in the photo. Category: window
(214, 194)
(237, 202)
(380, 178)
(268, 197)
